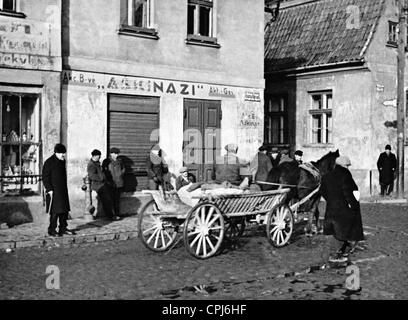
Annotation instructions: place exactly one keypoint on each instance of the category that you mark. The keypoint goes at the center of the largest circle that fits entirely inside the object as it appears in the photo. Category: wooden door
(202, 137)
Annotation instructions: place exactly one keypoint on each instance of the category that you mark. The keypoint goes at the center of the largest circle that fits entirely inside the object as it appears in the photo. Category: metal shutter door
(132, 120)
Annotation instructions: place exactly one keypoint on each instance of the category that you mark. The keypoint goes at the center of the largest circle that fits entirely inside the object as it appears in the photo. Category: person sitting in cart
(227, 169)
(184, 179)
(260, 167)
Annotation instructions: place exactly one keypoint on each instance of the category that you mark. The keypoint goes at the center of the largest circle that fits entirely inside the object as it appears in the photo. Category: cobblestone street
(248, 269)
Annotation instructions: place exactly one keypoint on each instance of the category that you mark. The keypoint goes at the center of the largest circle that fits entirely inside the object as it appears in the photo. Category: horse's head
(327, 162)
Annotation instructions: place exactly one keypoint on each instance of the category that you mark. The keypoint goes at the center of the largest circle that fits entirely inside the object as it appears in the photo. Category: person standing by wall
(275, 157)
(387, 166)
(98, 184)
(54, 177)
(114, 170)
(157, 169)
(343, 216)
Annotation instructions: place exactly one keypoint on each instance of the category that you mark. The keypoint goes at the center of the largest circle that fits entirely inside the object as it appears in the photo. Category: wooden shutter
(133, 128)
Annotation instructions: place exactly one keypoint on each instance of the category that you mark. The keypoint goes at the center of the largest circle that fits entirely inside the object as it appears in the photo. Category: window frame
(196, 38)
(284, 129)
(127, 28)
(390, 42)
(12, 13)
(323, 112)
(20, 143)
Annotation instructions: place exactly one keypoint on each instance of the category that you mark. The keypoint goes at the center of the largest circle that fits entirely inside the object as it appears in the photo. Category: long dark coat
(343, 216)
(386, 166)
(54, 177)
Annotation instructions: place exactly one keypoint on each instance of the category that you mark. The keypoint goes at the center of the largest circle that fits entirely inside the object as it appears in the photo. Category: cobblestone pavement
(248, 269)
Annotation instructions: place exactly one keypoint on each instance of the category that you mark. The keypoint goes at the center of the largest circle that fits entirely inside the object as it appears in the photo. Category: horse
(291, 174)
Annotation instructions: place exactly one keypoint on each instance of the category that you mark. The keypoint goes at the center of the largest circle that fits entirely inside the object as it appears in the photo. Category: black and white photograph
(203, 154)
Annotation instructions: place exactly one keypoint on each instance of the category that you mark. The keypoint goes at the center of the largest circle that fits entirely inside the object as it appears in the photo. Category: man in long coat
(343, 216)
(387, 165)
(54, 177)
(260, 166)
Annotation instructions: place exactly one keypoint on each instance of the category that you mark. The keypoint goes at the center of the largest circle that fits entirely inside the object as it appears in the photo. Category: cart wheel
(204, 230)
(234, 228)
(156, 234)
(279, 226)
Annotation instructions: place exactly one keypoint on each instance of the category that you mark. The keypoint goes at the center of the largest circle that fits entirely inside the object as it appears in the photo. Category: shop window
(137, 18)
(321, 117)
(201, 24)
(20, 144)
(276, 119)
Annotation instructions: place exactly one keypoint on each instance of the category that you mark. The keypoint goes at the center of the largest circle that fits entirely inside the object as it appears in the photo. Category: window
(8, 5)
(321, 118)
(392, 33)
(10, 8)
(201, 24)
(19, 144)
(276, 115)
(137, 18)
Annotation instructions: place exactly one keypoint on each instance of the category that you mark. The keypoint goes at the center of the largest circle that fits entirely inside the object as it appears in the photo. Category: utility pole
(402, 39)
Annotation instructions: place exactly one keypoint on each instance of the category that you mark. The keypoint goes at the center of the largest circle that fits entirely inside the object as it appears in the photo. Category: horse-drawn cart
(214, 218)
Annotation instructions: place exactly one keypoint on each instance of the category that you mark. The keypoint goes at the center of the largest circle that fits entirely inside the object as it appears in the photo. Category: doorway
(202, 137)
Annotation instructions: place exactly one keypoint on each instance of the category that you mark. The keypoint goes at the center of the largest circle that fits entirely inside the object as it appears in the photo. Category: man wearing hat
(387, 166)
(260, 166)
(275, 157)
(343, 216)
(228, 167)
(298, 156)
(97, 181)
(114, 170)
(54, 178)
(184, 178)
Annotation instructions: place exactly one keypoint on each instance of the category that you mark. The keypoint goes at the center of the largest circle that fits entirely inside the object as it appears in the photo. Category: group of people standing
(106, 180)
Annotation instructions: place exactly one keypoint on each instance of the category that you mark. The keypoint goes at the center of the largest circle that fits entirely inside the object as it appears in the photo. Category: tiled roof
(316, 34)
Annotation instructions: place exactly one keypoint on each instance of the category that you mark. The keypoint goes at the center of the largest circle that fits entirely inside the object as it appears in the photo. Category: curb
(68, 240)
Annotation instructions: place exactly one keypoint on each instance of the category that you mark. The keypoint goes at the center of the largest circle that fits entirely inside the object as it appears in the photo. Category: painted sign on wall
(155, 87)
(25, 44)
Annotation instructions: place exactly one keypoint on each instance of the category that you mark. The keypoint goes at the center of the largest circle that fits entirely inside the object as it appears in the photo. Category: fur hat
(299, 153)
(60, 148)
(388, 147)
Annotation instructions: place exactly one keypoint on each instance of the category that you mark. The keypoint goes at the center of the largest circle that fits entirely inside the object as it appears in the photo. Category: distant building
(331, 81)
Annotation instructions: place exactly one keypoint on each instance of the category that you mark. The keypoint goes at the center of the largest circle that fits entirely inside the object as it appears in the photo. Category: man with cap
(114, 170)
(387, 166)
(97, 181)
(184, 178)
(275, 157)
(343, 216)
(298, 156)
(228, 167)
(54, 178)
(260, 166)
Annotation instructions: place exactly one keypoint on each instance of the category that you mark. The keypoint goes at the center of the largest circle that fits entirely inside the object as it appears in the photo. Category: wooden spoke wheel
(156, 234)
(279, 227)
(204, 231)
(234, 227)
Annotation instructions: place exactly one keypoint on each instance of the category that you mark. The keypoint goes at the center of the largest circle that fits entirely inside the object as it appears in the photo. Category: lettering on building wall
(221, 92)
(25, 44)
(23, 60)
(253, 96)
(155, 87)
